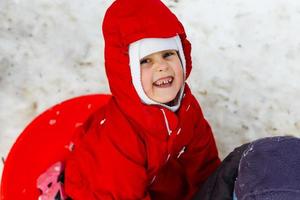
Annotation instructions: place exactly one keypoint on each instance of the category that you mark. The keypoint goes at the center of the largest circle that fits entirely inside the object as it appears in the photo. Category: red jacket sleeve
(201, 157)
(99, 168)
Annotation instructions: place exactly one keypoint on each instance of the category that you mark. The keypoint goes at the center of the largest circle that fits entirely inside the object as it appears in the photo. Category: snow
(102, 121)
(246, 57)
(52, 122)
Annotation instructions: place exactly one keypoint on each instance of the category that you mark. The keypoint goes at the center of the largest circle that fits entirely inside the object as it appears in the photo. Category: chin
(166, 100)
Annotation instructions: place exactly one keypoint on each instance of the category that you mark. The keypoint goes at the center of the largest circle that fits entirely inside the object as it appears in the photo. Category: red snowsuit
(133, 151)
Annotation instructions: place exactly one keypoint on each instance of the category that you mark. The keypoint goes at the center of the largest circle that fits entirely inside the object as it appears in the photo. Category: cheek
(179, 73)
(146, 79)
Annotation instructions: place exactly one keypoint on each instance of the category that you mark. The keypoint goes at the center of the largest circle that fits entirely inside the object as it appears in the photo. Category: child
(151, 141)
(267, 168)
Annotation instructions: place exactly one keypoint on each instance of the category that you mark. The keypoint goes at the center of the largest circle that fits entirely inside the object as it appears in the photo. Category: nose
(161, 65)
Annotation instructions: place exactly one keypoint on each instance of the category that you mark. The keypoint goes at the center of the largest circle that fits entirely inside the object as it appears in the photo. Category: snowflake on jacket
(137, 147)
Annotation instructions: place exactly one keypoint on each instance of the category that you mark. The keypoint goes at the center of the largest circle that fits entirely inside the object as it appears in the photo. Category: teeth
(162, 82)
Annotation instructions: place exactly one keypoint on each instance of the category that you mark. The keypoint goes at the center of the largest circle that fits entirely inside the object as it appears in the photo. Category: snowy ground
(246, 59)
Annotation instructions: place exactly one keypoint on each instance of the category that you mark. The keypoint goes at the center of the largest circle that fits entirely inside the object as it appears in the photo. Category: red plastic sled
(44, 141)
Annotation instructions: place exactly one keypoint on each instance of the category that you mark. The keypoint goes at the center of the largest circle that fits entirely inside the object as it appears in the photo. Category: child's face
(162, 75)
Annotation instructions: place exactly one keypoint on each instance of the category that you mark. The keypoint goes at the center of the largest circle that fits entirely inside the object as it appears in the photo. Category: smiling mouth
(164, 82)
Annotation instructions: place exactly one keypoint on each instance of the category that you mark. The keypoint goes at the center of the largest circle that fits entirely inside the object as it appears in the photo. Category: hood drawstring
(166, 122)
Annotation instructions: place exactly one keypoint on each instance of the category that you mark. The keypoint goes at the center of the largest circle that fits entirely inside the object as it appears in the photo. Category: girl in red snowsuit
(151, 140)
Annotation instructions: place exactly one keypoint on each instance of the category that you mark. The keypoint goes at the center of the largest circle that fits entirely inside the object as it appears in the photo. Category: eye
(144, 61)
(168, 54)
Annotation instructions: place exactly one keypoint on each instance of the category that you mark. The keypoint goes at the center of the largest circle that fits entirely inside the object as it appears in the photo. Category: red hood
(127, 21)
